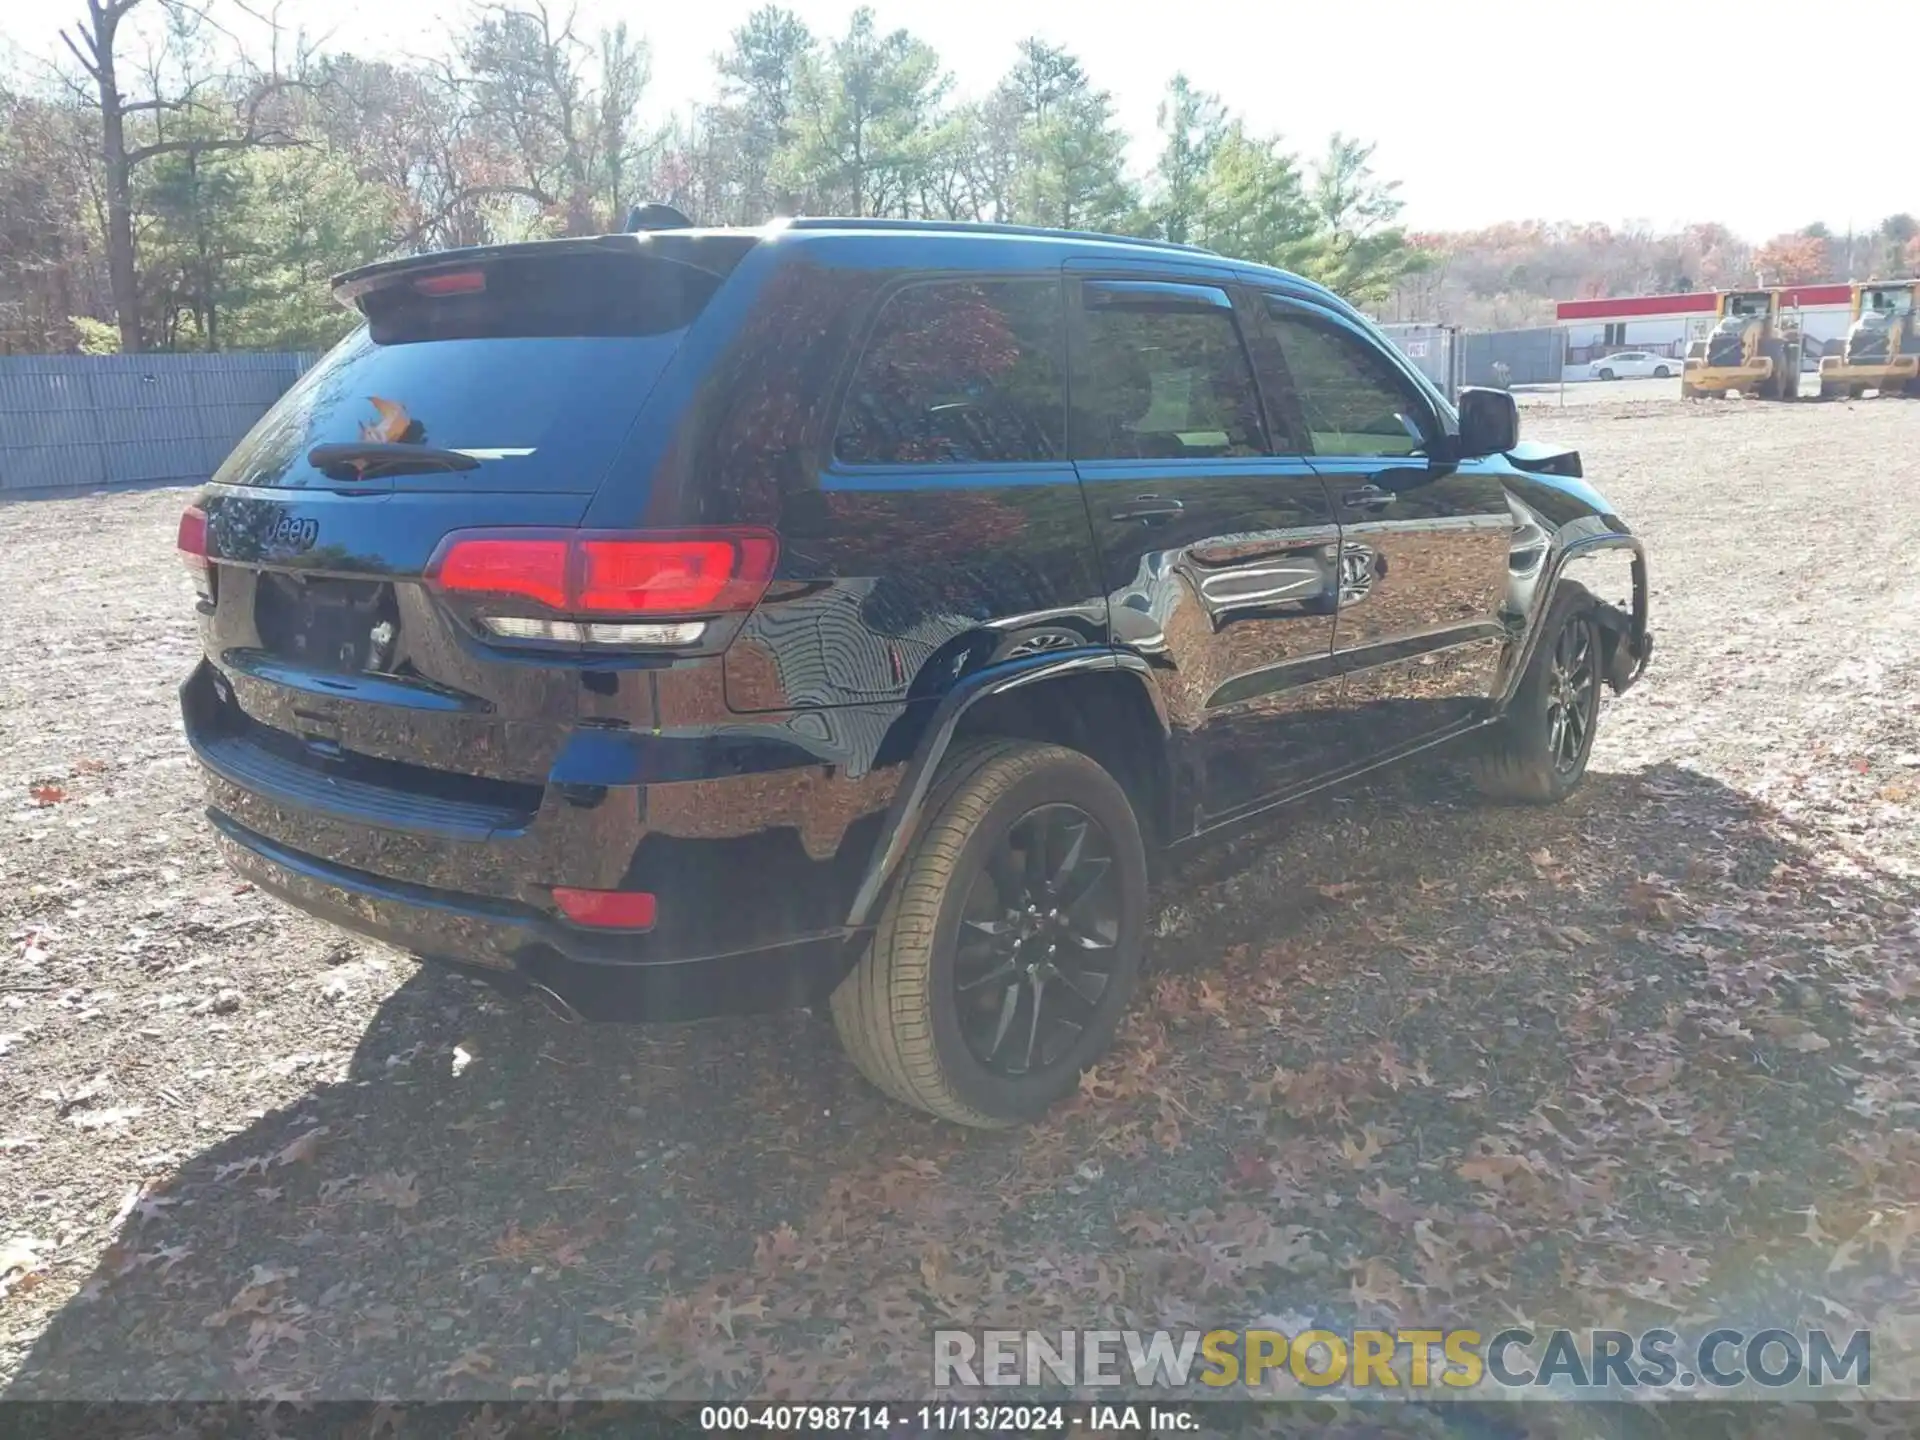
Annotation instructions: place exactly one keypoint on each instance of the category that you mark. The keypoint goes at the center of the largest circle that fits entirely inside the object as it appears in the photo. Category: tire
(1660, 372)
(901, 1014)
(1519, 761)
(1606, 374)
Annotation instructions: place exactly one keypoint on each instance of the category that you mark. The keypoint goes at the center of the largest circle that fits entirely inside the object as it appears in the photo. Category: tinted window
(539, 414)
(1353, 400)
(1165, 381)
(538, 375)
(961, 372)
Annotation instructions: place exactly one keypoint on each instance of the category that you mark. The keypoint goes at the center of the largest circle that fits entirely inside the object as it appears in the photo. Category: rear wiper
(361, 458)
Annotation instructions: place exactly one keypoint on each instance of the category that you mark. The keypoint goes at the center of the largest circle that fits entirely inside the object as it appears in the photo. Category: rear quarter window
(959, 372)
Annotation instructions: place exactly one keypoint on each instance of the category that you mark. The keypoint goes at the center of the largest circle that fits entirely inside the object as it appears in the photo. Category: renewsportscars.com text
(1381, 1361)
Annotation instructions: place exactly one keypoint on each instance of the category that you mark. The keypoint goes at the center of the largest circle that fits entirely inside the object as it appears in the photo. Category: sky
(1623, 111)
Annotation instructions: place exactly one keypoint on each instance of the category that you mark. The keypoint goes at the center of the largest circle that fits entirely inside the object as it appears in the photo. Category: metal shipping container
(1434, 351)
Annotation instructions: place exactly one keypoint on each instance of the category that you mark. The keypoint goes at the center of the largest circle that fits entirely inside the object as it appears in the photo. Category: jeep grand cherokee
(845, 612)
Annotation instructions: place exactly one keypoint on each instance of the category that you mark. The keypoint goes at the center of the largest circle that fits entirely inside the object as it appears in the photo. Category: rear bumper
(601, 975)
(463, 871)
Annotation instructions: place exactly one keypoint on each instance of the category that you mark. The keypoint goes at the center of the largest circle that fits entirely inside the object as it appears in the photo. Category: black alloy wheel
(1010, 943)
(1038, 941)
(1573, 697)
(1537, 753)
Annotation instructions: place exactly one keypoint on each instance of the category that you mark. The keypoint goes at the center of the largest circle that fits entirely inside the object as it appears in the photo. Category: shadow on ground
(1405, 1058)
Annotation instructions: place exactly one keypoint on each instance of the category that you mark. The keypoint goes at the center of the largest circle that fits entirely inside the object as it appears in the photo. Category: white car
(1634, 365)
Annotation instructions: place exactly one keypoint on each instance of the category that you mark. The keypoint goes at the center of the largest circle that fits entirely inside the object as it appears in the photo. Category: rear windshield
(537, 377)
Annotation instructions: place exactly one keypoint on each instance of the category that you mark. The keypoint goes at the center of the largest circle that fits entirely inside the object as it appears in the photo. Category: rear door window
(960, 372)
(530, 381)
(1166, 376)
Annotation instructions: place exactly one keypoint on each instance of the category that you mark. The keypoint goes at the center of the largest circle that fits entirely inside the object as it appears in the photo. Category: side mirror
(1489, 422)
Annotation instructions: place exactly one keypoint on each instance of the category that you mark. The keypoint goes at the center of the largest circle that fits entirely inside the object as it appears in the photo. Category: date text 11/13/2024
(905, 1420)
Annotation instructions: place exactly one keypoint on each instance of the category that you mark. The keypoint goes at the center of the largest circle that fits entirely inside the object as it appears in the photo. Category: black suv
(700, 620)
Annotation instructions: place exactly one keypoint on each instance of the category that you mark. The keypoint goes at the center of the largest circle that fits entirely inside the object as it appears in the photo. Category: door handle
(1148, 508)
(1368, 497)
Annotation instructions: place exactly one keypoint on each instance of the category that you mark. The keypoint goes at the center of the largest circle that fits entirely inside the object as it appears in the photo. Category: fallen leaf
(127, 1202)
(302, 1149)
(102, 1119)
(399, 1191)
(46, 794)
(253, 1298)
(1810, 1040)
(1379, 1284)
(1360, 1156)
(1492, 1170)
(18, 1259)
(472, 1362)
(754, 1309)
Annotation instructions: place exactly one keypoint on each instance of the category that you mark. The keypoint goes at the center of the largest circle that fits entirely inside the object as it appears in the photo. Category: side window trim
(1288, 436)
(1176, 290)
(827, 443)
(1144, 294)
(1404, 375)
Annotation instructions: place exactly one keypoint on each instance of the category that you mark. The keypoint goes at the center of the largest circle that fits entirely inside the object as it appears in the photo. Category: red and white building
(1665, 323)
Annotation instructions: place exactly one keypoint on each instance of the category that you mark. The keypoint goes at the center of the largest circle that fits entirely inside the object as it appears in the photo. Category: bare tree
(94, 43)
(562, 111)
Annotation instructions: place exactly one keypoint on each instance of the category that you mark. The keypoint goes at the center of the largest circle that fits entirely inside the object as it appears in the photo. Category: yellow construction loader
(1882, 350)
(1752, 349)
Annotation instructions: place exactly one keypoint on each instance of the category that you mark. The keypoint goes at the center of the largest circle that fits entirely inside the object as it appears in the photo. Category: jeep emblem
(293, 534)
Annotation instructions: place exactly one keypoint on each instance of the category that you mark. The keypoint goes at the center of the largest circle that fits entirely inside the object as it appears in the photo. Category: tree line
(189, 172)
(1510, 276)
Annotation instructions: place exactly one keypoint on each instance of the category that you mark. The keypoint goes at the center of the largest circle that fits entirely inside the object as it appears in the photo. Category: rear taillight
(601, 588)
(452, 282)
(606, 909)
(192, 542)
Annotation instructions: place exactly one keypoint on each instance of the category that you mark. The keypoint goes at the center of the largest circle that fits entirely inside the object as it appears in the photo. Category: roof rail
(983, 227)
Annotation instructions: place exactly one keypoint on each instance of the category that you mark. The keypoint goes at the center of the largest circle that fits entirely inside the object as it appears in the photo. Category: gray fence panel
(77, 422)
(1532, 357)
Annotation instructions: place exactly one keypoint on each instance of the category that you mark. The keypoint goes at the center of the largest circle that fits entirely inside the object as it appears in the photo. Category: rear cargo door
(495, 392)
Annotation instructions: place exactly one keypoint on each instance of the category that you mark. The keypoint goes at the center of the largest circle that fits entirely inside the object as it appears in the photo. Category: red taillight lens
(192, 540)
(531, 569)
(673, 577)
(454, 282)
(684, 573)
(606, 909)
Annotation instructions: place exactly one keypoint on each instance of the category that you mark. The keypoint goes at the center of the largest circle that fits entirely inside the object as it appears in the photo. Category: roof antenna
(656, 217)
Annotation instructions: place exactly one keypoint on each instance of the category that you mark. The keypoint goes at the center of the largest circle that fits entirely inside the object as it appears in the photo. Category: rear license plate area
(324, 623)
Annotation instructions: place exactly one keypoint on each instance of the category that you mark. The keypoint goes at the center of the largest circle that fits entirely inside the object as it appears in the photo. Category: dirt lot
(1616, 393)
(1647, 1058)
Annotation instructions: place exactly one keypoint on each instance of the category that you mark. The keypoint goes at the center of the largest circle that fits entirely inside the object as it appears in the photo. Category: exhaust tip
(555, 1003)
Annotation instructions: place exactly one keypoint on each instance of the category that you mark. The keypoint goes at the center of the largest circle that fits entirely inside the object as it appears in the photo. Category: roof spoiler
(656, 216)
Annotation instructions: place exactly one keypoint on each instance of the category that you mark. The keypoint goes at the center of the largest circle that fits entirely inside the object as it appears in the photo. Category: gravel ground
(1617, 393)
(1649, 1057)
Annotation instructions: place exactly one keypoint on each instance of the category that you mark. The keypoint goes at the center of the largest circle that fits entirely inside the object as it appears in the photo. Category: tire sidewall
(1529, 713)
(1087, 786)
